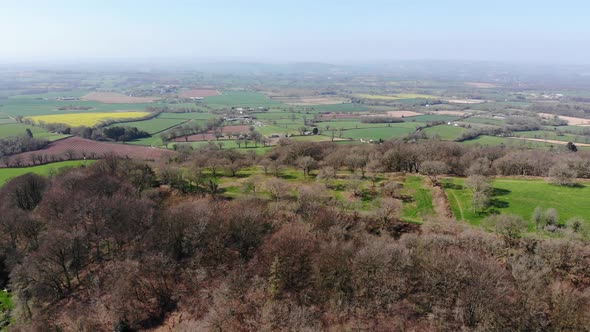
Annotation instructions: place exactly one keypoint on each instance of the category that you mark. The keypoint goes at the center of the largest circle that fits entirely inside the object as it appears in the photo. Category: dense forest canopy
(122, 245)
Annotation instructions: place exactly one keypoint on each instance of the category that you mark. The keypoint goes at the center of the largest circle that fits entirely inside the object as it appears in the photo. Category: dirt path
(440, 202)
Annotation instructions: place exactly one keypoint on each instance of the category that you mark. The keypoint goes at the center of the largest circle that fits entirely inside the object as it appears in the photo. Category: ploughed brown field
(78, 148)
(210, 135)
(194, 93)
(116, 98)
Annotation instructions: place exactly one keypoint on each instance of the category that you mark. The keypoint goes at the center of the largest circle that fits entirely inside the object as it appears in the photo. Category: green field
(9, 173)
(276, 115)
(151, 126)
(347, 124)
(521, 197)
(6, 120)
(270, 130)
(445, 132)
(33, 107)
(545, 134)
(508, 141)
(239, 99)
(488, 121)
(19, 129)
(187, 116)
(396, 130)
(341, 108)
(430, 118)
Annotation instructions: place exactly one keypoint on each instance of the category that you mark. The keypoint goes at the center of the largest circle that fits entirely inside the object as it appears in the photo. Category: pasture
(19, 129)
(485, 120)
(444, 132)
(8, 173)
(239, 99)
(152, 126)
(521, 197)
(34, 107)
(431, 118)
(340, 108)
(187, 116)
(554, 136)
(397, 130)
(347, 124)
(312, 100)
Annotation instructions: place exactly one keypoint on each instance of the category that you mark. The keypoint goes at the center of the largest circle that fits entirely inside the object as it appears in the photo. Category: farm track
(458, 205)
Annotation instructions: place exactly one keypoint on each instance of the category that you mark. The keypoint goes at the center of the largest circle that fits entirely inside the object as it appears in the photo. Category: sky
(296, 31)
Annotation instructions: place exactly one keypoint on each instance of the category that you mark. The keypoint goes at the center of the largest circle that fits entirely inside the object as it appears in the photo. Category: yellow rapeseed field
(86, 119)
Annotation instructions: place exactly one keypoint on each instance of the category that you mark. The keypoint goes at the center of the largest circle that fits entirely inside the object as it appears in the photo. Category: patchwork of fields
(336, 118)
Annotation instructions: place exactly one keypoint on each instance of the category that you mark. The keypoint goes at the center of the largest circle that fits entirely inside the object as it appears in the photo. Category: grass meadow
(8, 173)
(521, 197)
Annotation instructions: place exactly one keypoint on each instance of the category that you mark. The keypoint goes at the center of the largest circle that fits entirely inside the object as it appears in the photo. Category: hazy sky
(304, 30)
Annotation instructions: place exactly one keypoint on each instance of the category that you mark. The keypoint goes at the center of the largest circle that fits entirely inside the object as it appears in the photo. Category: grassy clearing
(8, 173)
(5, 301)
(86, 119)
(420, 203)
(521, 197)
